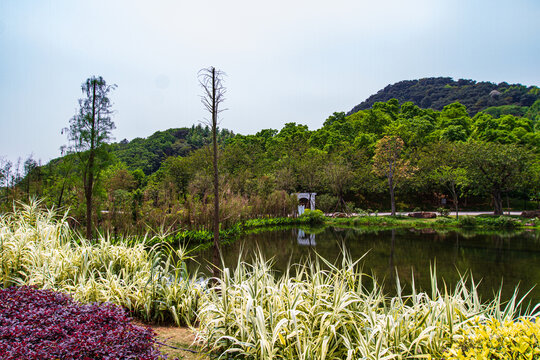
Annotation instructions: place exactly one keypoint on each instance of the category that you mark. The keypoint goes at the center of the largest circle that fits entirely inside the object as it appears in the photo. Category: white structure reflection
(306, 239)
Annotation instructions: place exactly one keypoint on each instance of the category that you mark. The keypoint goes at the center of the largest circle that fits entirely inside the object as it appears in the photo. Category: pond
(495, 259)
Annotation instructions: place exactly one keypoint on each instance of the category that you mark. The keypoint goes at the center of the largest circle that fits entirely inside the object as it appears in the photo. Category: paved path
(453, 213)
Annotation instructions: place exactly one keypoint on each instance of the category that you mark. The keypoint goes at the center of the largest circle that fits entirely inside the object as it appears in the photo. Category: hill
(436, 93)
(147, 154)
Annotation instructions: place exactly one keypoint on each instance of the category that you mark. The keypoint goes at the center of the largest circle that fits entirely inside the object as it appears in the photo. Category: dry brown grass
(177, 337)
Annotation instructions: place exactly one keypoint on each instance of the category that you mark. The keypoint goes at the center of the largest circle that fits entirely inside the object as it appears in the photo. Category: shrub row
(505, 222)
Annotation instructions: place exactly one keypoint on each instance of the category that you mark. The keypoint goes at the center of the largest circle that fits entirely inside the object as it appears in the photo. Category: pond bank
(479, 220)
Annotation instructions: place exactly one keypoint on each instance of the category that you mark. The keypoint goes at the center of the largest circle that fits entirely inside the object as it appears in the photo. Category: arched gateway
(305, 200)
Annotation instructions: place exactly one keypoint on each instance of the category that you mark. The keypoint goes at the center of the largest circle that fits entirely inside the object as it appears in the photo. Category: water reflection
(306, 239)
(492, 258)
(391, 264)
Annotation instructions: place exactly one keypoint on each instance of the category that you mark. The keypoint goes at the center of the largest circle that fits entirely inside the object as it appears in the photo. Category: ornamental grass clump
(37, 248)
(42, 324)
(333, 311)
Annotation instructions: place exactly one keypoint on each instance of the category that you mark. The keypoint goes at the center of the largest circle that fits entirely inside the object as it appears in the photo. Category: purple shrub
(42, 324)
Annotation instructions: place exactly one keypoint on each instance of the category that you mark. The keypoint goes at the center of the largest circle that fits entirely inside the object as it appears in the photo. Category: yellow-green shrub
(496, 340)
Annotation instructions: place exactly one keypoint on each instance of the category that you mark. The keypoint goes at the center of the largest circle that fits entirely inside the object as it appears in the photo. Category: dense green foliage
(446, 159)
(148, 154)
(436, 93)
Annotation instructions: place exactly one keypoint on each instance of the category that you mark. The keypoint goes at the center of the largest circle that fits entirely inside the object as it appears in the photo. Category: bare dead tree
(211, 80)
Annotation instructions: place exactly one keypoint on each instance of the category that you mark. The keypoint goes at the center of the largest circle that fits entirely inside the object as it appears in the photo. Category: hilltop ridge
(437, 92)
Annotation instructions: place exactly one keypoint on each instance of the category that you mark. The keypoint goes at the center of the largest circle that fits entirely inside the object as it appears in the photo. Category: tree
(311, 169)
(338, 177)
(89, 130)
(31, 166)
(5, 172)
(443, 164)
(454, 123)
(211, 80)
(388, 161)
(497, 168)
(454, 179)
(178, 171)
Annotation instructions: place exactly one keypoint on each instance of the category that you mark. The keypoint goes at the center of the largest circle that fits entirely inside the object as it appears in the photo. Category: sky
(285, 61)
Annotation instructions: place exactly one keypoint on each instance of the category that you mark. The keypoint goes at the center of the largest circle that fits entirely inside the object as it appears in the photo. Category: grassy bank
(316, 218)
(196, 237)
(201, 239)
(479, 221)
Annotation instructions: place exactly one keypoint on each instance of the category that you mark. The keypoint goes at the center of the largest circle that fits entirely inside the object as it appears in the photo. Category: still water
(494, 259)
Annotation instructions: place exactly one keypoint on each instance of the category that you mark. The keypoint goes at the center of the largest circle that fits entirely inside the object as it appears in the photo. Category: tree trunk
(28, 185)
(217, 252)
(88, 195)
(59, 203)
(455, 199)
(392, 199)
(497, 202)
(89, 183)
(457, 209)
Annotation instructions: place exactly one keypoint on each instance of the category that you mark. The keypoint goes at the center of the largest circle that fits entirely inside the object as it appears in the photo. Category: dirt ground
(180, 338)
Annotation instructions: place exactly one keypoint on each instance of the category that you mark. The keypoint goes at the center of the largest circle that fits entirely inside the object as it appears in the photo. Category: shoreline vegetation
(316, 309)
(317, 218)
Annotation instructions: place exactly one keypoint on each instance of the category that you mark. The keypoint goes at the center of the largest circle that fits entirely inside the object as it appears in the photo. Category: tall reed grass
(327, 311)
(37, 248)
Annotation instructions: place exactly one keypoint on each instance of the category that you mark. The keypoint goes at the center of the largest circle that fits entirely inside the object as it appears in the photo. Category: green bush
(374, 220)
(313, 217)
(361, 212)
(334, 311)
(506, 222)
(467, 221)
(443, 211)
(39, 249)
(264, 222)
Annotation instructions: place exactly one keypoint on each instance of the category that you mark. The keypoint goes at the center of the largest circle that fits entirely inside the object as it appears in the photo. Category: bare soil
(177, 342)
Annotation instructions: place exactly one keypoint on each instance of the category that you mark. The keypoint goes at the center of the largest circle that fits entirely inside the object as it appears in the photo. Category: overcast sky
(286, 61)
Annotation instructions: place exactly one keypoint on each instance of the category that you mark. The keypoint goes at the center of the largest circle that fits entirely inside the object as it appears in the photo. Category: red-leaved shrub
(42, 324)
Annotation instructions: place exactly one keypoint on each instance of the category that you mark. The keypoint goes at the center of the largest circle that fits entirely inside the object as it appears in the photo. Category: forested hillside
(436, 93)
(393, 155)
(147, 154)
